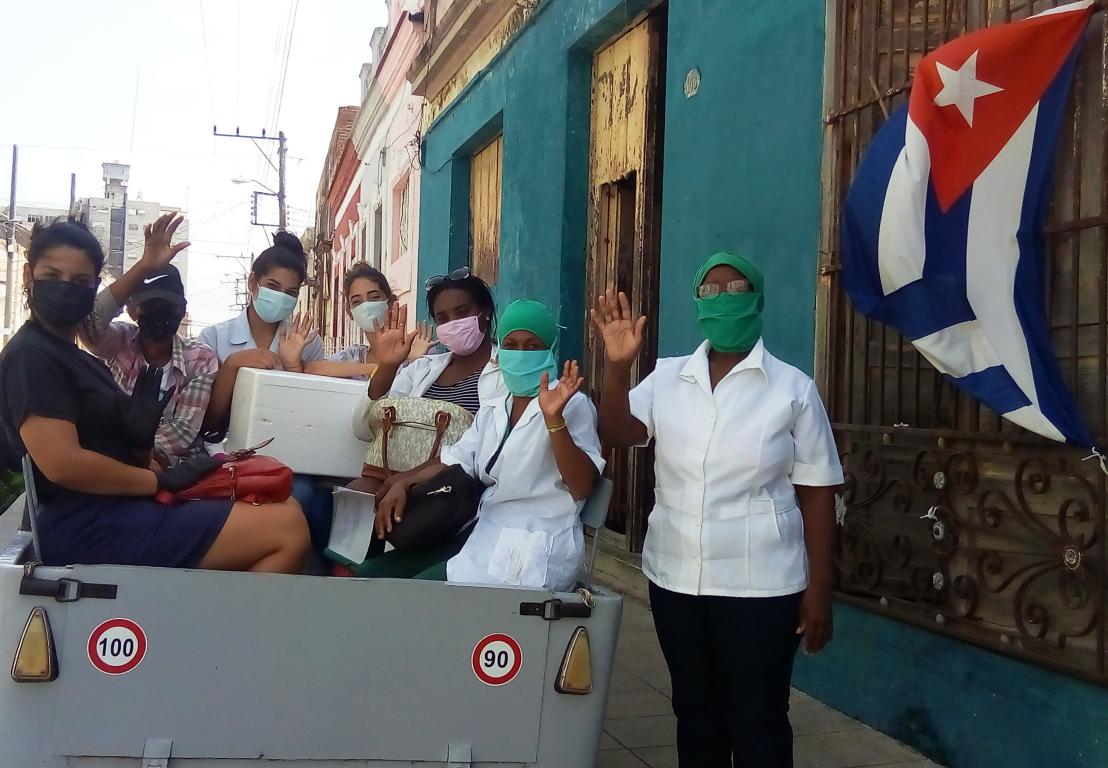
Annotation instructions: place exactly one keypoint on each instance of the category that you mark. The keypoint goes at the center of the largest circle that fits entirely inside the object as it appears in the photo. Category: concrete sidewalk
(640, 730)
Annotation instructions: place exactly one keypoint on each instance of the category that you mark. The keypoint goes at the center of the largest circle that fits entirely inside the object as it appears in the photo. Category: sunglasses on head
(452, 277)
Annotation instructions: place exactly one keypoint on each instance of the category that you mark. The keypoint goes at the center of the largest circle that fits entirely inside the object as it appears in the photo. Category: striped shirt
(192, 368)
(463, 394)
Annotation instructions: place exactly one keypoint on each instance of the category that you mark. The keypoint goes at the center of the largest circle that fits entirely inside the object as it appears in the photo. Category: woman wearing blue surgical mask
(268, 336)
(368, 300)
(265, 335)
(536, 451)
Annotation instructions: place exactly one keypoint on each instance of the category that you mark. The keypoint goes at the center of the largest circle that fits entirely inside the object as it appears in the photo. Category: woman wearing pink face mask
(463, 309)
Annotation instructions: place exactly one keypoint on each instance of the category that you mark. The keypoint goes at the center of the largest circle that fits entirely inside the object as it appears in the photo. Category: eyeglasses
(458, 274)
(711, 290)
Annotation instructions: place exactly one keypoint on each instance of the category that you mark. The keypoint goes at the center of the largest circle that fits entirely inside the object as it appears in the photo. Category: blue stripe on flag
(924, 306)
(862, 214)
(1055, 400)
(939, 300)
(995, 387)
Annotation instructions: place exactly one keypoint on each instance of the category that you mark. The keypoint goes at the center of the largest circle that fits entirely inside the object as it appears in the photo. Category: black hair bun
(290, 242)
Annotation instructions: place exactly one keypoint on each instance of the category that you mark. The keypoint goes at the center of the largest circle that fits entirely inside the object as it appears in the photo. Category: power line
(120, 150)
(285, 67)
(134, 110)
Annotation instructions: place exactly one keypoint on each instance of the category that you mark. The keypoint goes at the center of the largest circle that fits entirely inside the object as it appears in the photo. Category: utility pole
(282, 211)
(280, 168)
(10, 274)
(72, 193)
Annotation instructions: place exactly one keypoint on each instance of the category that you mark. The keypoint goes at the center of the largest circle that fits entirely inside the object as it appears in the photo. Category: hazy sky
(68, 99)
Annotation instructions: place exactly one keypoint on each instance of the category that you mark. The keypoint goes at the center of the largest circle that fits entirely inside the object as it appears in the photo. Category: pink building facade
(386, 139)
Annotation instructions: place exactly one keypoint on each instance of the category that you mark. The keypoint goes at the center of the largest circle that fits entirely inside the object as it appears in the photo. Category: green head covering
(732, 322)
(741, 263)
(524, 315)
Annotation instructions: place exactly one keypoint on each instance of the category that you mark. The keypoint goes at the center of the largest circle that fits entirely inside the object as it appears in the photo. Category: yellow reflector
(35, 660)
(575, 676)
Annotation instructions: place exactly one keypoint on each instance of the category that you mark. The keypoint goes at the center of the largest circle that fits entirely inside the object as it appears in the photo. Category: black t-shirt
(41, 375)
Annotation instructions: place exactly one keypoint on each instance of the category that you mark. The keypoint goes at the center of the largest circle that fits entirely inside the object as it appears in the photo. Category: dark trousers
(731, 661)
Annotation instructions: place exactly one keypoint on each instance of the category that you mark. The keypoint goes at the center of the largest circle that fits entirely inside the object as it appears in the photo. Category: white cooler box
(308, 417)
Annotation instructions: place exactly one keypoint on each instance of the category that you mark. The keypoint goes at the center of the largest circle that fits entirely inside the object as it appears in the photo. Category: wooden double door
(625, 153)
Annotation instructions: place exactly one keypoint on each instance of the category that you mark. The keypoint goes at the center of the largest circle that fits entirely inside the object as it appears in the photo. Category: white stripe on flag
(992, 254)
(958, 350)
(1078, 6)
(901, 247)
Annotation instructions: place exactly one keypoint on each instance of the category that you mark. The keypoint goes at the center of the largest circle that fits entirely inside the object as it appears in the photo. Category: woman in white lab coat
(739, 551)
(537, 452)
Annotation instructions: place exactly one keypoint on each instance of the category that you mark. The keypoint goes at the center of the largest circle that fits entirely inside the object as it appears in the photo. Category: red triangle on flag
(971, 95)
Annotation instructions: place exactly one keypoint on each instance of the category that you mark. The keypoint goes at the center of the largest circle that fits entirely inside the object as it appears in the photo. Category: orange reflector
(35, 660)
(575, 676)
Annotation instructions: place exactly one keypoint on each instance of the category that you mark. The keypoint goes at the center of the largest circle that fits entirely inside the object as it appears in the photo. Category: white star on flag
(961, 87)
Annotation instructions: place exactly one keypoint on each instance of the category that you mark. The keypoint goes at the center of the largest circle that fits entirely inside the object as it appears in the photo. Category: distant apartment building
(118, 221)
(34, 214)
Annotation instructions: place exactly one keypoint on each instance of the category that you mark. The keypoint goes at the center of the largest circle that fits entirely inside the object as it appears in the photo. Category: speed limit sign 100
(117, 646)
(497, 659)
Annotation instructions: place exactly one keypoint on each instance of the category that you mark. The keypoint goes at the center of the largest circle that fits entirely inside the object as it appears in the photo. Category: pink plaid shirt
(192, 370)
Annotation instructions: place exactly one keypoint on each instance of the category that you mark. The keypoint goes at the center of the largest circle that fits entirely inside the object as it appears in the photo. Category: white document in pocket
(352, 526)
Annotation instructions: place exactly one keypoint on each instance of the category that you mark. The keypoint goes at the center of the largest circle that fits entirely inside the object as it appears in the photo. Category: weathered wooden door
(624, 218)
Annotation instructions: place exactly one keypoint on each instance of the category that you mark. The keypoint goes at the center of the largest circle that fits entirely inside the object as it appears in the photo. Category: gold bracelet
(558, 428)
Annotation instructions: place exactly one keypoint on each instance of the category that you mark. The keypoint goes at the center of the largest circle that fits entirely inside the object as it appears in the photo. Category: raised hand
(159, 250)
(621, 330)
(297, 334)
(143, 409)
(424, 340)
(552, 401)
(390, 343)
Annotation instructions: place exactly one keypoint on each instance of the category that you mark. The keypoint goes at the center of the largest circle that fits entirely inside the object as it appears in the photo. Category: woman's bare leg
(269, 538)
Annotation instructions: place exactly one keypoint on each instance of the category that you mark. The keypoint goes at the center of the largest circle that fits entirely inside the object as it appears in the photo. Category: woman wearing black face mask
(62, 407)
(155, 300)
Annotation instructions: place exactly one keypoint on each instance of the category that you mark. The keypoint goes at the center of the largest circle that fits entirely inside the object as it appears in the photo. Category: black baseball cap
(163, 284)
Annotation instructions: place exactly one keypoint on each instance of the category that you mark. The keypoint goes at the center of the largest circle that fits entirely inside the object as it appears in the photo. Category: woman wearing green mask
(739, 552)
(537, 452)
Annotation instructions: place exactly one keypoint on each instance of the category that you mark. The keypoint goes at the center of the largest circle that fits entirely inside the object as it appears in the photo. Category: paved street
(640, 730)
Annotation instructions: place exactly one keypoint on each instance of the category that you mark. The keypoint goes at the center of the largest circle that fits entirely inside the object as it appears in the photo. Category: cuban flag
(943, 224)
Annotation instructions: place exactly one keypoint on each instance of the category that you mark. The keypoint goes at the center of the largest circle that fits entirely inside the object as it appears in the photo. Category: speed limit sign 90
(497, 659)
(116, 646)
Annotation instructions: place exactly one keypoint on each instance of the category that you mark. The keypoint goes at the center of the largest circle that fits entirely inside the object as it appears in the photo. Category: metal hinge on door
(156, 753)
(459, 756)
(63, 590)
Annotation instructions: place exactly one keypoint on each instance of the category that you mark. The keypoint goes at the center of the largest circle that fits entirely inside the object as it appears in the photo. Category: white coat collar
(696, 367)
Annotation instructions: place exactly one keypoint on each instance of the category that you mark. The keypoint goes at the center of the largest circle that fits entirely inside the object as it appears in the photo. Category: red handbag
(246, 477)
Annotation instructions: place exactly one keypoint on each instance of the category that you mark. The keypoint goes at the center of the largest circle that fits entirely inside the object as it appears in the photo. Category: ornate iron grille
(958, 520)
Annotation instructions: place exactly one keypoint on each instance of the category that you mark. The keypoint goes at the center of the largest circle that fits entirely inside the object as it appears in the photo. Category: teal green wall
(538, 92)
(961, 705)
(742, 160)
(741, 171)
